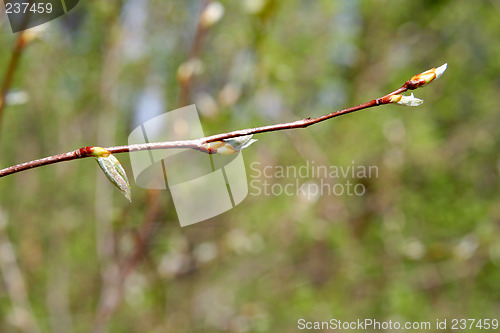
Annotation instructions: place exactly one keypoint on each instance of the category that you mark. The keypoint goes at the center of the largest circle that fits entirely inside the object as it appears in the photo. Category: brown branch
(201, 144)
(11, 69)
(303, 123)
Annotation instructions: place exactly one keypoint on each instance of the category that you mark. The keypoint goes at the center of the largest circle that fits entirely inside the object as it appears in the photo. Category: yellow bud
(428, 76)
(229, 146)
(100, 152)
(221, 147)
(395, 98)
(217, 144)
(227, 149)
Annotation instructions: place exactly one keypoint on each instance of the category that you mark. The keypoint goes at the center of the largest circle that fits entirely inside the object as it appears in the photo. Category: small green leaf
(115, 173)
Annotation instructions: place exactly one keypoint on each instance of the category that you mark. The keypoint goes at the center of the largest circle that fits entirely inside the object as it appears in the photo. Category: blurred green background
(423, 242)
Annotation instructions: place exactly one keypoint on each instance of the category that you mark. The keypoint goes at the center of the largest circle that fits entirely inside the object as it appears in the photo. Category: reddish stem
(198, 144)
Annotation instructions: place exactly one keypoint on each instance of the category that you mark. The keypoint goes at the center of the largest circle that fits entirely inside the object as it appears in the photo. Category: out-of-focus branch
(12, 67)
(116, 276)
(187, 69)
(22, 314)
(112, 280)
(112, 297)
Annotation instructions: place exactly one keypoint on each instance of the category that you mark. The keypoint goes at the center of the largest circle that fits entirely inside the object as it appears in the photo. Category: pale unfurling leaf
(115, 173)
(440, 70)
(410, 101)
(241, 142)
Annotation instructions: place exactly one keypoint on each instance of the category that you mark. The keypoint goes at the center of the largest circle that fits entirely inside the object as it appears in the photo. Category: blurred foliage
(422, 243)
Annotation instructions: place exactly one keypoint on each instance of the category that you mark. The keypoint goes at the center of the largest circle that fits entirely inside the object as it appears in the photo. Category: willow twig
(201, 144)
